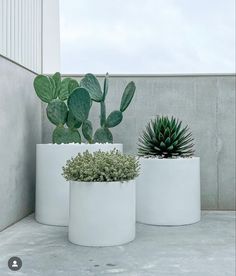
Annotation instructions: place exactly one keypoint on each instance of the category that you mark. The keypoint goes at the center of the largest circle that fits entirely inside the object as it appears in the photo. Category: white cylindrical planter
(168, 191)
(52, 191)
(102, 213)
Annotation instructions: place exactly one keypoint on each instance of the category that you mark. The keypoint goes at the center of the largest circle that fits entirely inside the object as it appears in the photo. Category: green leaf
(72, 122)
(44, 88)
(91, 84)
(66, 135)
(79, 104)
(127, 96)
(114, 118)
(87, 130)
(103, 135)
(57, 112)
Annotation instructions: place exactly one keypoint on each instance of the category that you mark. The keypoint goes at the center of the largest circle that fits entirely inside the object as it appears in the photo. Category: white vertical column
(51, 37)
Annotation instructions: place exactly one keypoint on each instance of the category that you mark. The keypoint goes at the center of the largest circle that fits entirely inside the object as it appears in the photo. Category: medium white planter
(52, 191)
(102, 213)
(168, 191)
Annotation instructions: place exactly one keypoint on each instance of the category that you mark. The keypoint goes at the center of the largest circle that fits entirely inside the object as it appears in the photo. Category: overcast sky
(147, 36)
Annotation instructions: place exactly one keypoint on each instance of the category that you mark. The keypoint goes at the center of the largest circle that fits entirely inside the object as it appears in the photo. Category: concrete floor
(206, 248)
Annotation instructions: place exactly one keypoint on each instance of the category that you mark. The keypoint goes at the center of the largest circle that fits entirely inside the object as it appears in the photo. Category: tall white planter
(168, 191)
(52, 191)
(102, 213)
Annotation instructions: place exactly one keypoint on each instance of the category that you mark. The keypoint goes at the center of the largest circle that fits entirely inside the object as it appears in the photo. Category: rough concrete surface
(206, 103)
(206, 248)
(20, 124)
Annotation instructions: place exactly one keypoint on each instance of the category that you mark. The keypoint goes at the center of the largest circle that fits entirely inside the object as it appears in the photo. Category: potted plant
(68, 107)
(168, 188)
(102, 198)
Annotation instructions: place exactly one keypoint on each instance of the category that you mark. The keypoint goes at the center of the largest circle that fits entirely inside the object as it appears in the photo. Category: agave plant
(166, 138)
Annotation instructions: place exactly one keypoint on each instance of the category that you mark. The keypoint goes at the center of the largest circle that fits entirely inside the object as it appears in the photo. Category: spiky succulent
(101, 167)
(166, 138)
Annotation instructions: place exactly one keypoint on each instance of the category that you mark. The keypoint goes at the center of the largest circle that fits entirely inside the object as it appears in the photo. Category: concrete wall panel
(20, 130)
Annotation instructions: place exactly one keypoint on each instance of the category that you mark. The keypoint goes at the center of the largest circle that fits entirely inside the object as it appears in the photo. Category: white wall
(30, 33)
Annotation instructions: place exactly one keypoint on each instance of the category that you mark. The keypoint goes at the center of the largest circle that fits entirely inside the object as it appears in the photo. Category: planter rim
(171, 159)
(102, 182)
(77, 144)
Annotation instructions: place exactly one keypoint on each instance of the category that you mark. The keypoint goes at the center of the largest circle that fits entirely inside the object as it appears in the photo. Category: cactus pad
(127, 96)
(65, 136)
(103, 135)
(114, 119)
(91, 84)
(79, 104)
(57, 112)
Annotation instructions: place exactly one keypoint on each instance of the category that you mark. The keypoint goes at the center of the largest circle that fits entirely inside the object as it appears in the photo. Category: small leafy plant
(101, 167)
(166, 138)
(69, 104)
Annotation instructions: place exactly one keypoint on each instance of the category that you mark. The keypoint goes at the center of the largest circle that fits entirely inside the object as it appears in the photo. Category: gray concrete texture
(206, 248)
(206, 103)
(20, 124)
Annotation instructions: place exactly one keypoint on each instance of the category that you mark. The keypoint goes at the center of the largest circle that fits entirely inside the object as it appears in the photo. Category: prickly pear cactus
(91, 84)
(55, 91)
(69, 103)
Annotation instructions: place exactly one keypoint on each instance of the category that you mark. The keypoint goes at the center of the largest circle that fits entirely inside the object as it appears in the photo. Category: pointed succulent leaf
(79, 104)
(64, 91)
(57, 80)
(87, 130)
(91, 84)
(44, 88)
(114, 118)
(127, 96)
(103, 135)
(72, 122)
(57, 112)
(66, 135)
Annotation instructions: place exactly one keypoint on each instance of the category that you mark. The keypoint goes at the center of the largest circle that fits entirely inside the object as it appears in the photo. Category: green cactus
(72, 122)
(74, 113)
(44, 88)
(114, 118)
(102, 114)
(91, 84)
(57, 112)
(87, 130)
(65, 135)
(79, 104)
(127, 96)
(103, 135)
(72, 85)
(57, 80)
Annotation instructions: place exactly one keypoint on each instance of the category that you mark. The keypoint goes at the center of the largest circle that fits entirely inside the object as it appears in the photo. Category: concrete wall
(206, 103)
(20, 130)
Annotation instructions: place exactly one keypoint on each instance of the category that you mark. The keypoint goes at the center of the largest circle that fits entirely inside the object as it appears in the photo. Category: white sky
(147, 36)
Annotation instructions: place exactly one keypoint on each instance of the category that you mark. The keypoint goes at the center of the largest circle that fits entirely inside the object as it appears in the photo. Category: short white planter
(52, 191)
(168, 191)
(102, 213)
